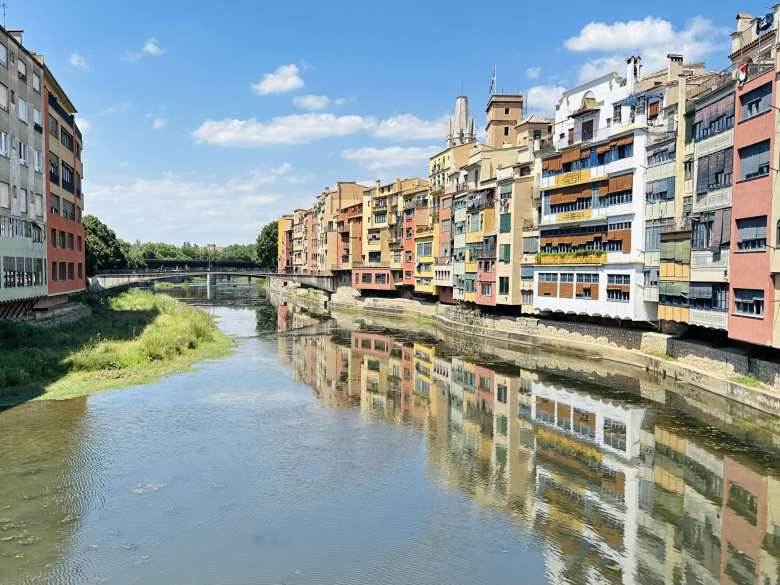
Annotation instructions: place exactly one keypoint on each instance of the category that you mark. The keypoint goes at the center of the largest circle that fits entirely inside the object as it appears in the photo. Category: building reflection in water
(615, 487)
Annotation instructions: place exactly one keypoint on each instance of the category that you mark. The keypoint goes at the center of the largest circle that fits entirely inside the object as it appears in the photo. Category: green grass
(163, 285)
(134, 338)
(749, 380)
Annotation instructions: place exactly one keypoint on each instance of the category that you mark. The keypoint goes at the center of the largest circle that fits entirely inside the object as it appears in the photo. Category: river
(348, 452)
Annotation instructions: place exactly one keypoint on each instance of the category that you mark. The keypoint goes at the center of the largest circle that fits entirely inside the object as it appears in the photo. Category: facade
(66, 201)
(284, 230)
(22, 179)
(647, 198)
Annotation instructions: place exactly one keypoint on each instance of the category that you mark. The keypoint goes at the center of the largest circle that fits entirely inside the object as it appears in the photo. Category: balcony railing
(594, 257)
(442, 260)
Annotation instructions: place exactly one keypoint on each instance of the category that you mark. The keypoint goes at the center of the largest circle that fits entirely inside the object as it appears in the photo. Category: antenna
(3, 5)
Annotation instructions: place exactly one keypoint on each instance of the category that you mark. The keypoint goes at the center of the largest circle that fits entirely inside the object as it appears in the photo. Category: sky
(204, 121)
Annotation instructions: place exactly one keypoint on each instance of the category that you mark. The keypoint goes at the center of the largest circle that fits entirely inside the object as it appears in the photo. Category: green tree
(267, 246)
(104, 251)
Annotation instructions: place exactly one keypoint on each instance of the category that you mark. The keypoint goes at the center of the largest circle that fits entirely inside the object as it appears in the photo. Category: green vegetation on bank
(134, 338)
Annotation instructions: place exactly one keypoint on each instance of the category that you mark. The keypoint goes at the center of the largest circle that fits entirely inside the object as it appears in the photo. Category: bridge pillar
(211, 283)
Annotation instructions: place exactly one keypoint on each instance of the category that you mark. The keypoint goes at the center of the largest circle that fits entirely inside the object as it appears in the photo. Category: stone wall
(61, 315)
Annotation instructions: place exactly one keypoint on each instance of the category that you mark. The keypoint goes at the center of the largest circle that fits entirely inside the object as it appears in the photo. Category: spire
(461, 125)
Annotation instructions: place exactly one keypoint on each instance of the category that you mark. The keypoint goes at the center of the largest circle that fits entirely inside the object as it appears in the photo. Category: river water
(349, 452)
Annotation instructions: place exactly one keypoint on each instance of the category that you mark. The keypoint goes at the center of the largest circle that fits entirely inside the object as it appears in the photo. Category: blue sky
(203, 121)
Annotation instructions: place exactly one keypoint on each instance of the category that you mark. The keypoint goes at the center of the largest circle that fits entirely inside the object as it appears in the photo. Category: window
(506, 130)
(22, 109)
(661, 155)
(366, 278)
(548, 277)
(503, 285)
(617, 114)
(71, 271)
(5, 195)
(54, 168)
(505, 223)
(748, 301)
(714, 118)
(54, 272)
(67, 177)
(381, 279)
(63, 271)
(709, 296)
(751, 234)
(754, 161)
(53, 238)
(70, 241)
(714, 171)
(62, 239)
(756, 102)
(4, 143)
(22, 153)
(36, 81)
(22, 69)
(23, 200)
(375, 256)
(504, 252)
(661, 190)
(379, 216)
(68, 210)
(587, 130)
(615, 434)
(653, 229)
(54, 126)
(80, 271)
(525, 171)
(3, 55)
(38, 160)
(506, 111)
(486, 289)
(567, 277)
(3, 97)
(66, 138)
(54, 208)
(424, 249)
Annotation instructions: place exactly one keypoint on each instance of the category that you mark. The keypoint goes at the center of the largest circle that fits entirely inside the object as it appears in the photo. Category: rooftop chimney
(633, 71)
(674, 66)
(16, 34)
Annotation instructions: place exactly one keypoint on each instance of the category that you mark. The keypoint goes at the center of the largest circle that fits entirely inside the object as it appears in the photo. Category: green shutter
(506, 222)
(505, 252)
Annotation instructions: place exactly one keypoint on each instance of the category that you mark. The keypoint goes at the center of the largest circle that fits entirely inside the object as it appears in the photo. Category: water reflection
(616, 486)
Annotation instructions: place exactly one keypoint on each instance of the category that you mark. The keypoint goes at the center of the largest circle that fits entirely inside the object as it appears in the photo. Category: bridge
(112, 279)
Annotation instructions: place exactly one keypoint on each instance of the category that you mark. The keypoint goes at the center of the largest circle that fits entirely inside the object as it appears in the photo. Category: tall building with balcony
(516, 217)
(753, 265)
(381, 266)
(327, 209)
(66, 248)
(22, 179)
(299, 241)
(284, 231)
(591, 240)
(426, 241)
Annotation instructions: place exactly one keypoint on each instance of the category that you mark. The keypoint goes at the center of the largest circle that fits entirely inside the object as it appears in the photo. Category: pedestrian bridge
(111, 279)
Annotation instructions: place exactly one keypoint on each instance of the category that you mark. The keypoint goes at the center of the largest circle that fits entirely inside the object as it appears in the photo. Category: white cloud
(285, 78)
(151, 48)
(543, 98)
(159, 123)
(78, 61)
(292, 129)
(226, 210)
(410, 127)
(390, 157)
(83, 124)
(533, 72)
(312, 102)
(117, 108)
(652, 38)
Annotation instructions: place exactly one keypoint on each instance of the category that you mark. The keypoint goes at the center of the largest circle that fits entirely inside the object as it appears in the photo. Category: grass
(749, 380)
(134, 338)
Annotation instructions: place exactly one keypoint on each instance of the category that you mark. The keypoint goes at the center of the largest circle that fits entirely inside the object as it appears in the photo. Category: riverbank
(731, 375)
(133, 338)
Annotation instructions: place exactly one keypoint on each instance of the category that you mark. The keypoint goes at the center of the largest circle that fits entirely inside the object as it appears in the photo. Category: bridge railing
(183, 269)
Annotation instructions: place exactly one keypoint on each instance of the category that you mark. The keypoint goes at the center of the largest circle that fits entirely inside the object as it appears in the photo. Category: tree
(267, 246)
(104, 251)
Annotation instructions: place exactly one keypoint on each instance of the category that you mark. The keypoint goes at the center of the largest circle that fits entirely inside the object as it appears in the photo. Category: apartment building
(350, 230)
(22, 181)
(381, 267)
(284, 231)
(753, 270)
(64, 141)
(326, 235)
(299, 241)
(591, 240)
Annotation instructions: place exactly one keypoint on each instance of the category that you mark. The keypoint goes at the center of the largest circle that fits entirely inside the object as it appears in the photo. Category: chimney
(674, 66)
(744, 21)
(633, 70)
(16, 34)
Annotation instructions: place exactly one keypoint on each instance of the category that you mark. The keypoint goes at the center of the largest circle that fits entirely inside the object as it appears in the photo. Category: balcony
(712, 319)
(707, 266)
(573, 258)
(442, 260)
